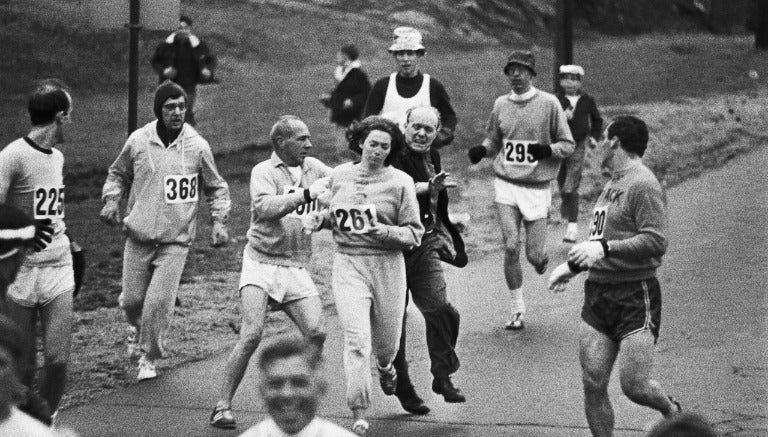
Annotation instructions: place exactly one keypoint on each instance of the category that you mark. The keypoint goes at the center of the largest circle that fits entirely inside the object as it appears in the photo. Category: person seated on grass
(291, 387)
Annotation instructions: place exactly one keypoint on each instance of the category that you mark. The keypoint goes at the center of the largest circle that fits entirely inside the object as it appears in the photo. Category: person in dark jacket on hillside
(423, 268)
(586, 125)
(347, 100)
(185, 59)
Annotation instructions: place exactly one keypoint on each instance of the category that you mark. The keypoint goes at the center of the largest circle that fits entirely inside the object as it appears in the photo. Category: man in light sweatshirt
(163, 169)
(528, 136)
(284, 189)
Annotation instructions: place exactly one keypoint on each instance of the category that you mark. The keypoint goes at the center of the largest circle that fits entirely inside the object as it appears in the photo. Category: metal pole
(133, 66)
(563, 44)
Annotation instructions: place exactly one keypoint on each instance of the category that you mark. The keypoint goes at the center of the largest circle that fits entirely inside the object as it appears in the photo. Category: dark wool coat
(586, 117)
(413, 164)
(355, 86)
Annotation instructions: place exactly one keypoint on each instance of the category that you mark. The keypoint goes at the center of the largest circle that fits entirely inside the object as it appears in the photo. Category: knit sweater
(31, 179)
(632, 212)
(515, 123)
(353, 190)
(277, 206)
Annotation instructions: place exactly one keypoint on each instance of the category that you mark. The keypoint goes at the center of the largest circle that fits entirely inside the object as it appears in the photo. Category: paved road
(713, 353)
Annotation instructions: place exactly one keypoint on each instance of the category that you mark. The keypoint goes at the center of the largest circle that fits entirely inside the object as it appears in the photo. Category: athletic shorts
(38, 285)
(620, 310)
(283, 284)
(533, 203)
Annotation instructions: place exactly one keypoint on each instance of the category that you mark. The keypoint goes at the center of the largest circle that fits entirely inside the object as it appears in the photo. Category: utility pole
(133, 65)
(563, 39)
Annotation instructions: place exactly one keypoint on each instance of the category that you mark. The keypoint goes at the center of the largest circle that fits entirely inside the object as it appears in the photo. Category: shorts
(533, 203)
(620, 310)
(37, 285)
(283, 284)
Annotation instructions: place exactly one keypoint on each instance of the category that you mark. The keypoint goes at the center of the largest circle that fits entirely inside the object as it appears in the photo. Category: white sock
(517, 304)
(572, 227)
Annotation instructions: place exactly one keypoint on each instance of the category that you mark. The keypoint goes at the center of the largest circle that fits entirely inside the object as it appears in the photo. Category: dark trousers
(426, 282)
(569, 179)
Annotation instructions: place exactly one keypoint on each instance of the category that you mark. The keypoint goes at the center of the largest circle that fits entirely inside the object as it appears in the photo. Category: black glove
(539, 151)
(43, 232)
(477, 153)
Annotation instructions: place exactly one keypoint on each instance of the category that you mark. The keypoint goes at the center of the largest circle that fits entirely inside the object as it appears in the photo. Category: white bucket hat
(406, 38)
(572, 69)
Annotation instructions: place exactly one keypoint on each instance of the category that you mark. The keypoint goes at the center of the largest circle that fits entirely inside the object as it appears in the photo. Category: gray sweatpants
(151, 275)
(370, 298)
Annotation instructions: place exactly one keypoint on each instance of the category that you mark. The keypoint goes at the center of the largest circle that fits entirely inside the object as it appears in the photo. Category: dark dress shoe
(451, 394)
(412, 403)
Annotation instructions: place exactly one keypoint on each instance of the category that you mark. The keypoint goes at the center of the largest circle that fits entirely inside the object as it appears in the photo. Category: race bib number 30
(180, 188)
(48, 202)
(516, 153)
(304, 208)
(357, 219)
(597, 226)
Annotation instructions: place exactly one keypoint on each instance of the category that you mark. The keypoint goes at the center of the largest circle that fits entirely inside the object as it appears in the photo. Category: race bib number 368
(181, 188)
(355, 219)
(597, 226)
(516, 153)
(48, 202)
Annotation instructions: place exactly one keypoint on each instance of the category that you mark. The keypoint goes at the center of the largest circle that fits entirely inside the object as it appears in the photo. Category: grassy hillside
(276, 57)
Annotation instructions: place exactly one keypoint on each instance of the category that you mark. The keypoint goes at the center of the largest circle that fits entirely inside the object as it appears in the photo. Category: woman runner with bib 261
(374, 215)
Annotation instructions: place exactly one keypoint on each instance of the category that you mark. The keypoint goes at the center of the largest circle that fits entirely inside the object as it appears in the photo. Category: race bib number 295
(180, 188)
(516, 153)
(48, 203)
(357, 219)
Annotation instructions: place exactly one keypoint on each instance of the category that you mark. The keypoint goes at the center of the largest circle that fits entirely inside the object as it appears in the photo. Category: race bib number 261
(180, 188)
(357, 219)
(48, 203)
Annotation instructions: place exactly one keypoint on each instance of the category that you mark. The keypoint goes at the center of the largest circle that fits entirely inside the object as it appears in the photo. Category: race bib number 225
(48, 203)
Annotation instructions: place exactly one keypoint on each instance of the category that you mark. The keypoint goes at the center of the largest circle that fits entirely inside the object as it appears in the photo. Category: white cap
(406, 38)
(572, 69)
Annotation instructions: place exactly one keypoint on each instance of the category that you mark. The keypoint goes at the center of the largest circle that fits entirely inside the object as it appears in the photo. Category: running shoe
(146, 369)
(132, 342)
(541, 268)
(222, 418)
(388, 379)
(516, 323)
(361, 427)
